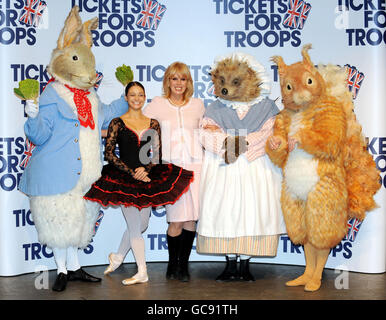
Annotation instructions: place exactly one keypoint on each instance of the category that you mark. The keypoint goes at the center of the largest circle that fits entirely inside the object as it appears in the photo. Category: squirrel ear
(71, 29)
(86, 35)
(281, 66)
(306, 57)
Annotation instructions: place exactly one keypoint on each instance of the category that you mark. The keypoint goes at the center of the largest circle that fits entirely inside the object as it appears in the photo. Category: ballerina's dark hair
(132, 84)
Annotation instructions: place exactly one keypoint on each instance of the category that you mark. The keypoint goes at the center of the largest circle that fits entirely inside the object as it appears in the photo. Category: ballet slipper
(137, 278)
(115, 260)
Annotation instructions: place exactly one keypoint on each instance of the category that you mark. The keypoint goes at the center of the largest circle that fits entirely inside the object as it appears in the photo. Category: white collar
(240, 106)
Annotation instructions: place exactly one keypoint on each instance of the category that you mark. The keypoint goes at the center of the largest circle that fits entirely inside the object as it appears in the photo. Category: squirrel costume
(240, 187)
(66, 129)
(328, 176)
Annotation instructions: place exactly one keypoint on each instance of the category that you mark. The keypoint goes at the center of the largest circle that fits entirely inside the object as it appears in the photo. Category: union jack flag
(38, 12)
(146, 16)
(98, 80)
(158, 16)
(297, 14)
(293, 13)
(32, 12)
(28, 148)
(353, 229)
(354, 79)
(98, 221)
(151, 14)
(349, 226)
(306, 8)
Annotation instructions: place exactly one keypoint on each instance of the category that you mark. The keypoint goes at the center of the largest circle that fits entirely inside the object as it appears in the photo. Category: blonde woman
(179, 115)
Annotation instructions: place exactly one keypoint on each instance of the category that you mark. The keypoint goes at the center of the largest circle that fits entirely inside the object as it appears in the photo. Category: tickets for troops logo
(271, 24)
(124, 23)
(364, 22)
(19, 21)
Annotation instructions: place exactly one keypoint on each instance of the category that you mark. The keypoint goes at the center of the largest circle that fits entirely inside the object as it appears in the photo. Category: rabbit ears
(74, 31)
(306, 59)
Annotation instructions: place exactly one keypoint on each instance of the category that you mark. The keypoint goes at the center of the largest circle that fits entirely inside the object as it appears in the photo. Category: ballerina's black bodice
(143, 150)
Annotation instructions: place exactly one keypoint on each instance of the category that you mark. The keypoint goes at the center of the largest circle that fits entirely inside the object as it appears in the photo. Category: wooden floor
(269, 285)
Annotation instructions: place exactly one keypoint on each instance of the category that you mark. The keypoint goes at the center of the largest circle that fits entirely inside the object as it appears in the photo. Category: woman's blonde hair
(181, 69)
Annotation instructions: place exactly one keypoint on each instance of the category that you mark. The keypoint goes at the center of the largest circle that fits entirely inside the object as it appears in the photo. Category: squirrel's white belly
(300, 173)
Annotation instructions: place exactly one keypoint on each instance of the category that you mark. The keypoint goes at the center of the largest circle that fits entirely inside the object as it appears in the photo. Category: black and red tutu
(168, 183)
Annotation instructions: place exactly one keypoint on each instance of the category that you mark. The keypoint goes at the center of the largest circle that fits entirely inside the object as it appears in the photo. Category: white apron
(240, 199)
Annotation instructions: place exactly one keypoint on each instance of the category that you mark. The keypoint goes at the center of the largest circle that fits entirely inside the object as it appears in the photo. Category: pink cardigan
(179, 131)
(181, 146)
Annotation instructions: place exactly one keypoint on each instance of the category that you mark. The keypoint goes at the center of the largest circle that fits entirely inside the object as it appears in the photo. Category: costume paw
(234, 146)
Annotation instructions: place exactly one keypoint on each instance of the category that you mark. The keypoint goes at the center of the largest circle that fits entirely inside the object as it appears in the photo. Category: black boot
(245, 275)
(184, 254)
(60, 282)
(173, 249)
(230, 271)
(82, 275)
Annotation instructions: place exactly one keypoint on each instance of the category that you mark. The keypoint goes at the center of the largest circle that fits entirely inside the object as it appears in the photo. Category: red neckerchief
(83, 107)
(49, 81)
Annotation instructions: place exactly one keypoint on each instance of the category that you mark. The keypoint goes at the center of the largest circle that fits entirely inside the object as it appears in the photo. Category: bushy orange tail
(362, 175)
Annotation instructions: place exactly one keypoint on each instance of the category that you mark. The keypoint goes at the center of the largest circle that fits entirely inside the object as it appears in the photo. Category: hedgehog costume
(240, 198)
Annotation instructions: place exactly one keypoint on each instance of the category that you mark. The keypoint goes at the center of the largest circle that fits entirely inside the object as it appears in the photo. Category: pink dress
(181, 146)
